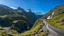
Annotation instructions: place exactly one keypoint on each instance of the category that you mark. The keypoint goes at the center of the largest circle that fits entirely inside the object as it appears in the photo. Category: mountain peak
(20, 9)
(28, 10)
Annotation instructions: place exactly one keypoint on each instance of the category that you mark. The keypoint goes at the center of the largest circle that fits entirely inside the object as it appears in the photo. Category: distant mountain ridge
(18, 19)
(5, 10)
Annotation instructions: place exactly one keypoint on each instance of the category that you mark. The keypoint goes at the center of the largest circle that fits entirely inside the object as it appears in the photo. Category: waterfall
(50, 16)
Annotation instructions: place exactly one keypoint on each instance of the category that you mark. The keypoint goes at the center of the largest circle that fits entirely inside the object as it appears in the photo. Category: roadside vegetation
(15, 27)
(58, 18)
(43, 34)
(57, 21)
(35, 30)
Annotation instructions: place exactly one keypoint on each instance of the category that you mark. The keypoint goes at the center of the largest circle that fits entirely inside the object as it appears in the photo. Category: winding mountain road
(53, 30)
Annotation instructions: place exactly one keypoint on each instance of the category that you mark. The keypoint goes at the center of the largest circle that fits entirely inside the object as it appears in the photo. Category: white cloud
(13, 8)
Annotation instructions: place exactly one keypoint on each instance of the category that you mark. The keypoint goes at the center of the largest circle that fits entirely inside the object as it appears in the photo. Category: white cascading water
(50, 16)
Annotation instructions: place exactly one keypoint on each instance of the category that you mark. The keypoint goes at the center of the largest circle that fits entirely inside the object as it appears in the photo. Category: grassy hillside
(35, 30)
(15, 21)
(57, 10)
(18, 22)
(5, 11)
(58, 18)
(30, 32)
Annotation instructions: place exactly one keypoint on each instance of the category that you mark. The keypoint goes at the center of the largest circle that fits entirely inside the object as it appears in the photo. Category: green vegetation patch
(34, 30)
(42, 34)
(57, 21)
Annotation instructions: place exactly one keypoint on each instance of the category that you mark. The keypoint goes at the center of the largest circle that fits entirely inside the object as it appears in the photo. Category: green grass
(30, 32)
(15, 21)
(34, 30)
(42, 34)
(55, 21)
(3, 16)
(3, 33)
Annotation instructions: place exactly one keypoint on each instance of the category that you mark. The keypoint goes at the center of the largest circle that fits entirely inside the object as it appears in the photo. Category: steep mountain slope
(31, 16)
(57, 20)
(17, 19)
(35, 31)
(58, 17)
(57, 10)
(19, 23)
(5, 10)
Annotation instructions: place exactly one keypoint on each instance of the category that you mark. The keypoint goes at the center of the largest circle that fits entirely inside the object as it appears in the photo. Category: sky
(42, 6)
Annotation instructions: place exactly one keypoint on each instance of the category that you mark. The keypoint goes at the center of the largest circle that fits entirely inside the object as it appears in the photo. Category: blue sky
(42, 6)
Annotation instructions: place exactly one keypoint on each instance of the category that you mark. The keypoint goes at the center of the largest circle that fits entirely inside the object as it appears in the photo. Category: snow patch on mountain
(13, 7)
